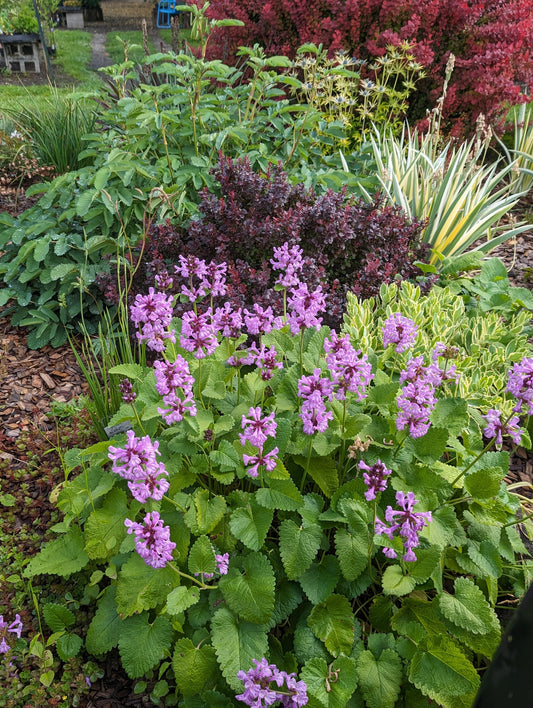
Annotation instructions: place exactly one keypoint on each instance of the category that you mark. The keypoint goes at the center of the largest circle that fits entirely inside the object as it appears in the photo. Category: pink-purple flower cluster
(415, 401)
(261, 320)
(204, 278)
(15, 628)
(265, 685)
(126, 389)
(290, 261)
(257, 430)
(136, 462)
(375, 478)
(227, 321)
(304, 307)
(520, 385)
(152, 313)
(399, 331)
(406, 522)
(222, 561)
(198, 333)
(152, 540)
(496, 428)
(350, 370)
(174, 382)
(314, 390)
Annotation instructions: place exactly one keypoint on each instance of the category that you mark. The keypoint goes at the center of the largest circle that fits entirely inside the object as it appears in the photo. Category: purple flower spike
(257, 429)
(152, 540)
(314, 415)
(289, 260)
(152, 308)
(374, 478)
(261, 321)
(137, 463)
(126, 389)
(416, 401)
(268, 460)
(406, 522)
(520, 384)
(400, 331)
(198, 334)
(222, 561)
(309, 384)
(4, 646)
(304, 306)
(258, 691)
(16, 626)
(496, 429)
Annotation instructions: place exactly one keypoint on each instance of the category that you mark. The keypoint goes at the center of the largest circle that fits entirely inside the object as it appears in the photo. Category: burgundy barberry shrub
(347, 244)
(492, 40)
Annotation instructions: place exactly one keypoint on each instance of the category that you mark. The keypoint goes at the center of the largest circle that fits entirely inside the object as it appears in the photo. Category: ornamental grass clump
(323, 518)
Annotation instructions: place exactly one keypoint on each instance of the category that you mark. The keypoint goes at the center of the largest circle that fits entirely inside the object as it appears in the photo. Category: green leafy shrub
(263, 483)
(162, 126)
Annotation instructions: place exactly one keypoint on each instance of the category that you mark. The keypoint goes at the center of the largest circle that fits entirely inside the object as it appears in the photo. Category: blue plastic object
(165, 10)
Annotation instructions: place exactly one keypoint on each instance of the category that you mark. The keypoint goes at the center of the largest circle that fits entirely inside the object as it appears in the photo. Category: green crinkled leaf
(205, 512)
(141, 587)
(298, 547)
(323, 471)
(320, 579)
(63, 556)
(442, 672)
(142, 644)
(396, 583)
(237, 643)
(379, 679)
(288, 597)
(193, 666)
(226, 457)
(444, 529)
(427, 561)
(352, 552)
(202, 556)
(57, 617)
(130, 371)
(104, 529)
(332, 685)
(417, 618)
(307, 646)
(430, 447)
(287, 391)
(104, 630)
(68, 645)
(250, 524)
(468, 608)
(450, 414)
(333, 623)
(249, 590)
(484, 483)
(180, 599)
(280, 494)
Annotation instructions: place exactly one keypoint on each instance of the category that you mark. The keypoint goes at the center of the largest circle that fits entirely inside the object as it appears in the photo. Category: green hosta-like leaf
(250, 593)
(142, 644)
(320, 579)
(104, 630)
(468, 608)
(280, 494)
(141, 587)
(180, 599)
(58, 617)
(331, 685)
(323, 471)
(379, 679)
(250, 524)
(205, 512)
(105, 530)
(68, 646)
(298, 547)
(352, 552)
(442, 672)
(396, 583)
(333, 623)
(237, 643)
(202, 556)
(193, 666)
(63, 556)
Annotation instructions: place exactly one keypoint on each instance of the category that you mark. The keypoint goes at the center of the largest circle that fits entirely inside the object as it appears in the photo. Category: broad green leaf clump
(300, 516)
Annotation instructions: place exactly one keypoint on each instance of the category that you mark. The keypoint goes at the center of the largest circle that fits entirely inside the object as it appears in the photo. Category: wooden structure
(22, 52)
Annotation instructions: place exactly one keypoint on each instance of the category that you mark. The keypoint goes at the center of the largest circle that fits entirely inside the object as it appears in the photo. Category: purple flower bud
(374, 478)
(126, 388)
(496, 429)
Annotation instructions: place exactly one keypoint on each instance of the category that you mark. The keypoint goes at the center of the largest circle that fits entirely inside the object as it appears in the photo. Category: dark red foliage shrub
(492, 40)
(347, 244)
